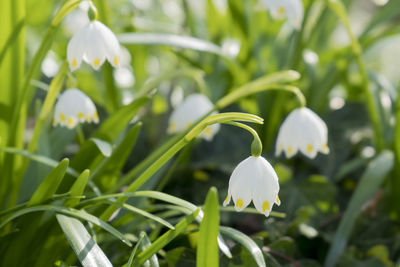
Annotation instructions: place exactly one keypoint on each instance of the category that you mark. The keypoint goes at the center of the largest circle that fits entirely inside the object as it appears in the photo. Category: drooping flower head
(293, 10)
(255, 180)
(302, 131)
(94, 43)
(74, 107)
(188, 112)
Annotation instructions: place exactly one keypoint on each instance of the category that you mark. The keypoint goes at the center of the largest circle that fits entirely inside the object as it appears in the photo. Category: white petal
(95, 52)
(75, 50)
(265, 186)
(188, 112)
(72, 107)
(239, 185)
(110, 42)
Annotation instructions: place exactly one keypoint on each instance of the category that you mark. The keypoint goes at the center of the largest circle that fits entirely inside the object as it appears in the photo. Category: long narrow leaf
(50, 184)
(84, 246)
(163, 240)
(79, 214)
(180, 41)
(207, 247)
(368, 185)
(245, 241)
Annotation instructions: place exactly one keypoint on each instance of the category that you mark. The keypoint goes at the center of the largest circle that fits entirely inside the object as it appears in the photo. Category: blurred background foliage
(332, 204)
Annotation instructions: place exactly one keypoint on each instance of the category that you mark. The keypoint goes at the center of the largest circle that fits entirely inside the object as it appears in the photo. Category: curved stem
(182, 142)
(196, 75)
(240, 93)
(256, 146)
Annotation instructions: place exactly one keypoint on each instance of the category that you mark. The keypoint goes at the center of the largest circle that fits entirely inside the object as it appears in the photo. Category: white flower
(50, 66)
(94, 43)
(302, 131)
(254, 179)
(72, 107)
(188, 112)
(291, 9)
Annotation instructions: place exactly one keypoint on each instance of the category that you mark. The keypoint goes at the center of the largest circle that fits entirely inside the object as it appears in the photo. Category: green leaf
(50, 184)
(247, 242)
(77, 189)
(367, 187)
(104, 147)
(143, 213)
(163, 240)
(207, 247)
(38, 158)
(110, 167)
(146, 244)
(180, 41)
(132, 256)
(84, 246)
(79, 214)
(108, 131)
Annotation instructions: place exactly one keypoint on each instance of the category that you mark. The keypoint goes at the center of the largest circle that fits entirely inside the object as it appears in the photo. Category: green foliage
(207, 245)
(126, 192)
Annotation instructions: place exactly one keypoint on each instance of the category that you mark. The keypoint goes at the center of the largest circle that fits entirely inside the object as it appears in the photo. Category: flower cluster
(254, 179)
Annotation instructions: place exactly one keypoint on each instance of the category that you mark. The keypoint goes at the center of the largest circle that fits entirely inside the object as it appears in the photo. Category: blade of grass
(370, 182)
(84, 246)
(163, 240)
(247, 242)
(79, 214)
(207, 246)
(77, 189)
(50, 184)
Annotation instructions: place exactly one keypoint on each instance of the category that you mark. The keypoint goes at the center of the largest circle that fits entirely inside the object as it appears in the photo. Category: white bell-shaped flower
(254, 179)
(94, 43)
(188, 112)
(74, 107)
(302, 131)
(293, 10)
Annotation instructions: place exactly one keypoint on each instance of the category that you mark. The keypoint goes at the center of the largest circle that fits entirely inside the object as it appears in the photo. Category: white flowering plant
(199, 133)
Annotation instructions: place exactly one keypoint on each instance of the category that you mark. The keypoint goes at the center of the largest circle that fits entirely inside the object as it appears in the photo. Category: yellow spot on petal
(226, 199)
(88, 118)
(96, 62)
(81, 116)
(239, 203)
(277, 199)
(96, 117)
(309, 148)
(116, 61)
(74, 63)
(70, 121)
(325, 147)
(265, 206)
(290, 150)
(281, 10)
(62, 117)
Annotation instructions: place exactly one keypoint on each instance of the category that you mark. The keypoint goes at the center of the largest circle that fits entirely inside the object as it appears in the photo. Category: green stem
(338, 7)
(193, 132)
(54, 89)
(80, 134)
(256, 146)
(196, 75)
(268, 82)
(239, 94)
